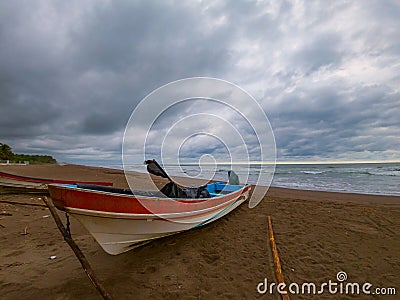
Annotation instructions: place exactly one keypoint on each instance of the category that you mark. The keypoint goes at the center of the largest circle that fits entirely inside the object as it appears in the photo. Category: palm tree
(5, 152)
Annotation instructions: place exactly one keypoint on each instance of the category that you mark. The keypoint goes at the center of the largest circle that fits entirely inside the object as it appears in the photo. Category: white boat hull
(118, 232)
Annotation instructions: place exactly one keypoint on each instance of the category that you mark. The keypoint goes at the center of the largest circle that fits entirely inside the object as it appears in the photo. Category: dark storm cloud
(81, 69)
(325, 126)
(327, 74)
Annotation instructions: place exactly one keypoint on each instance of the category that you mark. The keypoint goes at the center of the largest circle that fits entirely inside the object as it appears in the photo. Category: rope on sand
(278, 268)
(81, 257)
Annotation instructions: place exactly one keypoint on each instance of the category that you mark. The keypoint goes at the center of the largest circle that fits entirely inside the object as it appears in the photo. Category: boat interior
(214, 189)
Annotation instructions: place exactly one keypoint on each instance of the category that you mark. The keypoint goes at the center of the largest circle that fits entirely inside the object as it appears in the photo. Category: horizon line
(300, 162)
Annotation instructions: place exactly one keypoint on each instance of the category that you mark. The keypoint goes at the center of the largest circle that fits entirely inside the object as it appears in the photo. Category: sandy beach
(318, 234)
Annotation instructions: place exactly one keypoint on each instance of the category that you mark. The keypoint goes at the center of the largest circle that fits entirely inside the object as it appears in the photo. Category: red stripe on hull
(65, 197)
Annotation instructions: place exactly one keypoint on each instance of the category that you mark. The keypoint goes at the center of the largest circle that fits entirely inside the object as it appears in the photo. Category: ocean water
(368, 178)
(371, 178)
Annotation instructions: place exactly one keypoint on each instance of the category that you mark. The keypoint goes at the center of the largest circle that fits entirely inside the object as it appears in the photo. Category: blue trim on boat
(216, 215)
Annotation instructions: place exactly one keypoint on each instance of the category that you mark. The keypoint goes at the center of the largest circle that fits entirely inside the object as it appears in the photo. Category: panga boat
(11, 184)
(121, 219)
(25, 179)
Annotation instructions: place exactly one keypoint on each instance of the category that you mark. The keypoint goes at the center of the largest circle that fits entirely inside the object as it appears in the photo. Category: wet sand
(318, 234)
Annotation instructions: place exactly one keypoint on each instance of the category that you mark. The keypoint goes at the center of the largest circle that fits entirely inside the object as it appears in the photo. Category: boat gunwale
(140, 197)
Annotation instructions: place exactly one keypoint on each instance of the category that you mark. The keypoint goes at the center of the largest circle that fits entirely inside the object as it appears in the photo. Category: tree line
(7, 154)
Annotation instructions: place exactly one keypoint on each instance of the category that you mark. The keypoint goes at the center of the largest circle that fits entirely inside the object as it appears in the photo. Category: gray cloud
(326, 74)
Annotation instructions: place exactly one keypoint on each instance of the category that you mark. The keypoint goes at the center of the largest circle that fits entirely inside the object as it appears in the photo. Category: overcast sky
(326, 73)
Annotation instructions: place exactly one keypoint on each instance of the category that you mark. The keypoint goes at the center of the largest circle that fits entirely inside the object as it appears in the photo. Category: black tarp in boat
(173, 190)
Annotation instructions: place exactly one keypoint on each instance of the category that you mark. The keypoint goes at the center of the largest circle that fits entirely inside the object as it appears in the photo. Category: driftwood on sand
(81, 257)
